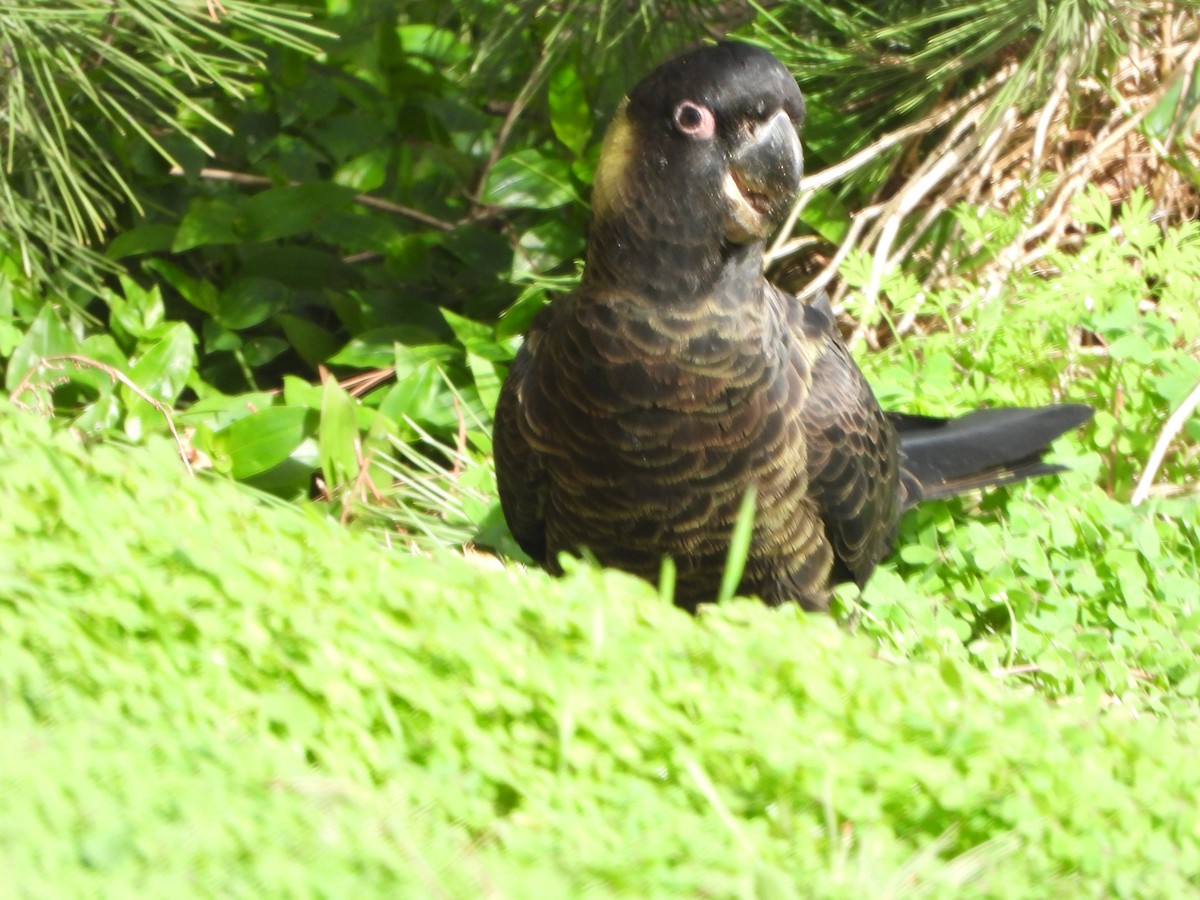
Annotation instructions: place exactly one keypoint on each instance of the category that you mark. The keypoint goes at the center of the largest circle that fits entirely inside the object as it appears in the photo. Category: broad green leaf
(517, 317)
(10, 334)
(214, 221)
(420, 395)
(584, 168)
(291, 209)
(300, 268)
(220, 410)
(546, 245)
(478, 249)
(161, 372)
(217, 338)
(436, 44)
(1174, 109)
(476, 337)
(136, 312)
(143, 239)
(250, 301)
(365, 172)
(376, 349)
(827, 216)
(410, 357)
(264, 439)
(201, 294)
(531, 179)
(261, 350)
(987, 555)
(488, 378)
(298, 392)
(292, 477)
(102, 348)
(1132, 346)
(570, 115)
(351, 134)
(104, 410)
(163, 369)
(337, 435)
(918, 555)
(314, 343)
(47, 336)
(101, 414)
(352, 229)
(1145, 538)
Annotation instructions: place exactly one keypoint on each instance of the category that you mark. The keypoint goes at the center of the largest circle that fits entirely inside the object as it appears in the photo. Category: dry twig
(116, 375)
(1174, 425)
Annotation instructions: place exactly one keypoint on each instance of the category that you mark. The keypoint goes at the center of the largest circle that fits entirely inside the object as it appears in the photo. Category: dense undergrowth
(1062, 582)
(208, 690)
(209, 694)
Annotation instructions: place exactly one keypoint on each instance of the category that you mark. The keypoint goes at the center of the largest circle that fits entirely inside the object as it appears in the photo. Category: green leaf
(337, 435)
(531, 179)
(135, 313)
(827, 216)
(219, 410)
(1171, 113)
(162, 371)
(250, 301)
(476, 337)
(47, 336)
(488, 377)
(1145, 538)
(214, 221)
(377, 348)
(351, 134)
(298, 392)
(1132, 346)
(10, 334)
(545, 246)
(951, 674)
(420, 394)
(292, 209)
(201, 294)
(1092, 207)
(143, 239)
(918, 554)
(365, 172)
(261, 350)
(436, 44)
(570, 115)
(217, 338)
(314, 343)
(264, 439)
(516, 319)
(739, 546)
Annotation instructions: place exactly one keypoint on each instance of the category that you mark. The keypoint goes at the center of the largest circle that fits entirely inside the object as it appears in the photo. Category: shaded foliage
(336, 252)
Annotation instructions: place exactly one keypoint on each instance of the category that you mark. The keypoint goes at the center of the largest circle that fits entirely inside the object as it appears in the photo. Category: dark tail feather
(944, 457)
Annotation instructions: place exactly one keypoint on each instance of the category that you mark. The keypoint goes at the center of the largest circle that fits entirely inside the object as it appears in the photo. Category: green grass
(209, 694)
(1060, 582)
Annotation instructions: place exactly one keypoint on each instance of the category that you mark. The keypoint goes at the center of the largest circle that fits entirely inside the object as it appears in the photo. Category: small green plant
(1061, 582)
(238, 697)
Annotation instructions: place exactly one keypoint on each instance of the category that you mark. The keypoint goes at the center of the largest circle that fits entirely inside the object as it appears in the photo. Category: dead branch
(115, 375)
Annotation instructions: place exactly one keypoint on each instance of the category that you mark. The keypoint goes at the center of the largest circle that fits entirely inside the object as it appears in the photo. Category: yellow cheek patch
(608, 189)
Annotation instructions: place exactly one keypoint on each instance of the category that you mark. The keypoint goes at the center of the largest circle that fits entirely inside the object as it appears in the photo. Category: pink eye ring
(695, 120)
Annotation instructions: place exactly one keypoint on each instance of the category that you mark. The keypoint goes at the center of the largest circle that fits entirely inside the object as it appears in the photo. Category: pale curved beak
(767, 166)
